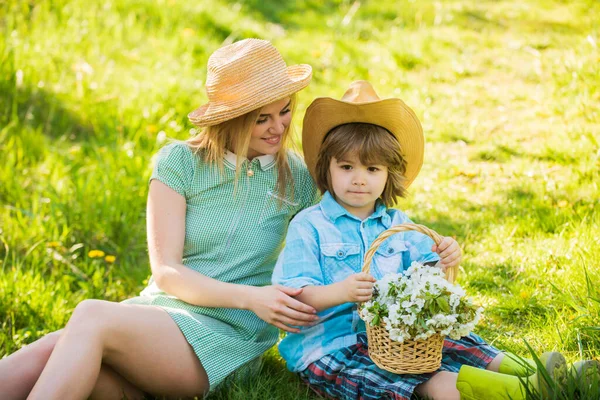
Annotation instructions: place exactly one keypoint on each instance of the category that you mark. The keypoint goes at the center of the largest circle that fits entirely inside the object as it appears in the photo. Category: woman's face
(267, 135)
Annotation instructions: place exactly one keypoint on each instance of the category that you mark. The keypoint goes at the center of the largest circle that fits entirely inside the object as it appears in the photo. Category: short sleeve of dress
(174, 166)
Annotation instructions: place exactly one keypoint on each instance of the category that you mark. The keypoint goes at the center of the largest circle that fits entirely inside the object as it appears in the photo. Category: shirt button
(390, 250)
(250, 173)
(340, 253)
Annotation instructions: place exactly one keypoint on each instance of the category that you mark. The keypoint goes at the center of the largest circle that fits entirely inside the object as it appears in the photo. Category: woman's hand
(358, 287)
(276, 305)
(449, 252)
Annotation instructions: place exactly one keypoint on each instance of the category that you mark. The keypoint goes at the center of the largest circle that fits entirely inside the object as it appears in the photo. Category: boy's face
(357, 186)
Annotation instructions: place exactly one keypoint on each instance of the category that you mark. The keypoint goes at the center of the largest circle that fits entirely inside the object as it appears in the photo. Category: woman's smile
(273, 140)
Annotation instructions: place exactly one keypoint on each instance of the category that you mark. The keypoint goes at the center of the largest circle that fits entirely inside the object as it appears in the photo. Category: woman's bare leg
(20, 370)
(140, 343)
(111, 385)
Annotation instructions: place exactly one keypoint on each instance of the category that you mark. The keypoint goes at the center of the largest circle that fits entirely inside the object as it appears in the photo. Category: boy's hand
(449, 252)
(357, 287)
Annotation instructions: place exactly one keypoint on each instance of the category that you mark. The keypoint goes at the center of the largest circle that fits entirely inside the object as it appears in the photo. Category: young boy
(364, 153)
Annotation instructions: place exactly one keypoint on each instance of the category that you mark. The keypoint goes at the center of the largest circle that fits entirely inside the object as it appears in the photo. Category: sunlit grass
(507, 93)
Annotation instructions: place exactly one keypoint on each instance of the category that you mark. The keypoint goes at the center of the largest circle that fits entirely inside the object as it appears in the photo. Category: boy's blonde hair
(236, 134)
(373, 145)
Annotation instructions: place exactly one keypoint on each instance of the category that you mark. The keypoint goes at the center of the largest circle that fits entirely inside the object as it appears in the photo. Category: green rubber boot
(512, 364)
(586, 375)
(480, 384)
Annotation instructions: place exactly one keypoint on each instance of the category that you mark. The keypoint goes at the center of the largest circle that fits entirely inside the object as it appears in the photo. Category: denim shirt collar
(333, 210)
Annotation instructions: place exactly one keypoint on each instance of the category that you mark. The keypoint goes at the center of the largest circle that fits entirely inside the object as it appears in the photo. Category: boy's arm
(298, 263)
(355, 288)
(298, 266)
(449, 252)
(323, 297)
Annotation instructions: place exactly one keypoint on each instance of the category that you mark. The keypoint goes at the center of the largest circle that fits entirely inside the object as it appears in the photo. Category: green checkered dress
(230, 237)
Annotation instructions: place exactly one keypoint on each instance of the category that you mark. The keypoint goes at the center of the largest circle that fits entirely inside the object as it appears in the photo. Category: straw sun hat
(244, 76)
(360, 103)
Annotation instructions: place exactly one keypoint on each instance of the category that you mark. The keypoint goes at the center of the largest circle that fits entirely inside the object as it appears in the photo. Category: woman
(217, 213)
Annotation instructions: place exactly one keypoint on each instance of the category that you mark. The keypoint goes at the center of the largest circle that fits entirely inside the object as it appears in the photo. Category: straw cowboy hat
(245, 76)
(360, 103)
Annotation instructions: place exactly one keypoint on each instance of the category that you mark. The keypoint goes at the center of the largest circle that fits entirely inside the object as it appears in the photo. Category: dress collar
(266, 162)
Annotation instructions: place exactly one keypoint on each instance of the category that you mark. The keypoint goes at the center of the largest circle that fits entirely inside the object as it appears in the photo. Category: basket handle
(451, 273)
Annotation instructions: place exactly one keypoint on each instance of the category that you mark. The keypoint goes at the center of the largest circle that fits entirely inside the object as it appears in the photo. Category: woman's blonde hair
(236, 134)
(373, 145)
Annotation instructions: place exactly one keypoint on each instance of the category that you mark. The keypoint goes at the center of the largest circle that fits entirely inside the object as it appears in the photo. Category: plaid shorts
(349, 373)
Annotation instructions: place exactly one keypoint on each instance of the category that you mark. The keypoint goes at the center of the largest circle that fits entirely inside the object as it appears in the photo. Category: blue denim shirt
(326, 244)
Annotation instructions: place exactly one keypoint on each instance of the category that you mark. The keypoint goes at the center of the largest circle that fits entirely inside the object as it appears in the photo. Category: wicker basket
(412, 356)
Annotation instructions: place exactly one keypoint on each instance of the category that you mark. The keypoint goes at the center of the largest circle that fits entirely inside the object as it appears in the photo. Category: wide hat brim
(266, 92)
(326, 113)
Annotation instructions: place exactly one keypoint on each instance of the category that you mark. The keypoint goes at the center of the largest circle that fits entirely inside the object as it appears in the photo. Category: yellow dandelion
(563, 204)
(95, 254)
(188, 32)
(467, 173)
(524, 295)
(73, 150)
(53, 244)
(152, 128)
(110, 259)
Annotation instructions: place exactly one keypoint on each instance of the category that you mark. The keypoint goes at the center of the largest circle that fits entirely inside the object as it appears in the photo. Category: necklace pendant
(250, 172)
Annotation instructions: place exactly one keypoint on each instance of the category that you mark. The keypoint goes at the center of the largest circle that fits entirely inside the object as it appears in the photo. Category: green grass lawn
(507, 92)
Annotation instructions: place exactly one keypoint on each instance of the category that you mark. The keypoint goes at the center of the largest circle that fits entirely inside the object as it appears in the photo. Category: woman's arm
(166, 213)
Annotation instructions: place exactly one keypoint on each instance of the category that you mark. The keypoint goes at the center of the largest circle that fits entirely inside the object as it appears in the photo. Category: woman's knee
(92, 316)
(41, 349)
(47, 344)
(25, 366)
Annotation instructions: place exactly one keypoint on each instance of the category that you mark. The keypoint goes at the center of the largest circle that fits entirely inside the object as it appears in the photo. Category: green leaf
(442, 302)
(375, 321)
(431, 307)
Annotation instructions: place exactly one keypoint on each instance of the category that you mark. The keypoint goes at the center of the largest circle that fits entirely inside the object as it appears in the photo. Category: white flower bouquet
(419, 304)
(410, 314)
